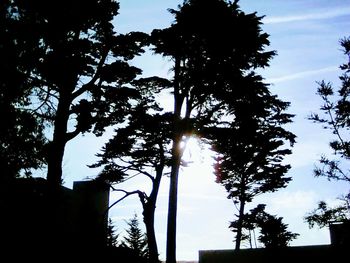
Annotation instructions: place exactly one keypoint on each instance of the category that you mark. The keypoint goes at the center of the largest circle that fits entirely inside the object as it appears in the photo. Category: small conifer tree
(112, 235)
(136, 238)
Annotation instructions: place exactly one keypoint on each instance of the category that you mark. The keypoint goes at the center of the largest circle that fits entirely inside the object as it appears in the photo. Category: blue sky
(305, 34)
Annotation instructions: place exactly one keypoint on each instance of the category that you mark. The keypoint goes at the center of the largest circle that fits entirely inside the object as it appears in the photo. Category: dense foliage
(273, 232)
(216, 49)
(68, 72)
(21, 132)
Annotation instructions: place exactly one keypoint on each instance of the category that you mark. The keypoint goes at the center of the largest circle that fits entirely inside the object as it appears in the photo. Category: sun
(196, 152)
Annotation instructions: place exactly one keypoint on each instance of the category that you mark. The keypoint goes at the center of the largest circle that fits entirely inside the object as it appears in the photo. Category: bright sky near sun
(305, 34)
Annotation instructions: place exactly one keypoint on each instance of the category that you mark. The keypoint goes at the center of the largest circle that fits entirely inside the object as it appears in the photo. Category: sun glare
(196, 152)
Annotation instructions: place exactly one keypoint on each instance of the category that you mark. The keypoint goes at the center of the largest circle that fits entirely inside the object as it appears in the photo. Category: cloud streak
(303, 74)
(293, 201)
(320, 15)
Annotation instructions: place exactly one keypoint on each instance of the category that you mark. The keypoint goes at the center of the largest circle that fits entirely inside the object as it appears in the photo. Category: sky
(305, 34)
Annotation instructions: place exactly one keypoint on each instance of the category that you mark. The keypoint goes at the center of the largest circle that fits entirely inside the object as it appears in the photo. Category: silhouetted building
(91, 207)
(337, 250)
(340, 233)
(29, 218)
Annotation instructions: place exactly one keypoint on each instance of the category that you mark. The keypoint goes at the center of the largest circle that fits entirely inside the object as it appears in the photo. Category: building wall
(29, 219)
(291, 254)
(91, 212)
(340, 233)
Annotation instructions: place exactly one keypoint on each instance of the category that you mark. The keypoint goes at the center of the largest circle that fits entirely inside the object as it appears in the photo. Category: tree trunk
(59, 140)
(148, 214)
(54, 173)
(240, 225)
(172, 207)
(176, 159)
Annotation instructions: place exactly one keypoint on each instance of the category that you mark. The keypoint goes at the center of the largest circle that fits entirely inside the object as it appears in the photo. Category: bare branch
(133, 167)
(73, 134)
(86, 86)
(141, 195)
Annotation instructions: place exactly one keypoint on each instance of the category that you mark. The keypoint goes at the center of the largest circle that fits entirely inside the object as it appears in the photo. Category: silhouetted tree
(21, 134)
(81, 68)
(215, 48)
(336, 116)
(273, 232)
(112, 236)
(323, 214)
(250, 152)
(140, 148)
(136, 239)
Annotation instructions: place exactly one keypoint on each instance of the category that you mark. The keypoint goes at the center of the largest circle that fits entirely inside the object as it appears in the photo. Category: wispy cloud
(311, 16)
(303, 74)
(290, 201)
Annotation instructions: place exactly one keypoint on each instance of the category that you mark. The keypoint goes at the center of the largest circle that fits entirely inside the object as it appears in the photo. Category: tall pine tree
(215, 48)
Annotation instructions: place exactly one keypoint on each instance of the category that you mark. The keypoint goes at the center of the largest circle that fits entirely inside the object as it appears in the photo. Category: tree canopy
(21, 134)
(273, 232)
(72, 75)
(140, 148)
(335, 114)
(78, 67)
(251, 151)
(216, 49)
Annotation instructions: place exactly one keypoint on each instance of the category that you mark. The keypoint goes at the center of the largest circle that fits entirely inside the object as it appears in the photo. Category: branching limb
(142, 196)
(131, 166)
(86, 86)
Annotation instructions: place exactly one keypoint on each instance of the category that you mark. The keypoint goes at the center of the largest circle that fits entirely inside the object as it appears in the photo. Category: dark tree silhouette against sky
(140, 148)
(66, 72)
(21, 134)
(335, 116)
(215, 48)
(81, 68)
